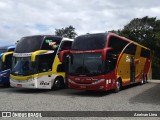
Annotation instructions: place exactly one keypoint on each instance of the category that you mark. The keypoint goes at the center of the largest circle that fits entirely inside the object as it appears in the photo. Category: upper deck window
(34, 43)
(89, 42)
(117, 44)
(29, 44)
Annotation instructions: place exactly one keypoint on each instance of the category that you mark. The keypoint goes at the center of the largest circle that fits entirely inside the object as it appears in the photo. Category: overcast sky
(20, 18)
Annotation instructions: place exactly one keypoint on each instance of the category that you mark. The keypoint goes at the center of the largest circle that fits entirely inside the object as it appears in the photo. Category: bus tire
(118, 86)
(58, 83)
(143, 80)
(6, 85)
(146, 79)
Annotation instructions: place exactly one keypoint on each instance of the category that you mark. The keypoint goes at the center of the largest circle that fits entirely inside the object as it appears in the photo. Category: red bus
(105, 61)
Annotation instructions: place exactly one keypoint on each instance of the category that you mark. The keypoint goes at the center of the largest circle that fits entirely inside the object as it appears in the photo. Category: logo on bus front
(128, 59)
(44, 83)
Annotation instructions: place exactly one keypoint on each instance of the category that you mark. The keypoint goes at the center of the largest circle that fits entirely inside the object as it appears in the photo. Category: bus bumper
(102, 86)
(99, 86)
(31, 83)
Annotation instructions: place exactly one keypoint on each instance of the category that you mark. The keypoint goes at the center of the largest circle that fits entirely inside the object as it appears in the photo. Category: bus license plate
(82, 86)
(19, 85)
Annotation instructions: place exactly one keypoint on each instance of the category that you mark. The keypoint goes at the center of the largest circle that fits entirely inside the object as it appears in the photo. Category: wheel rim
(118, 85)
(57, 84)
(142, 81)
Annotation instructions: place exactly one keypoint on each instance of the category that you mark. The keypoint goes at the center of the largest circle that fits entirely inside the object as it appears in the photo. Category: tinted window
(86, 64)
(117, 44)
(61, 68)
(8, 61)
(145, 53)
(66, 45)
(45, 62)
(51, 43)
(89, 42)
(29, 44)
(34, 43)
(131, 49)
(111, 61)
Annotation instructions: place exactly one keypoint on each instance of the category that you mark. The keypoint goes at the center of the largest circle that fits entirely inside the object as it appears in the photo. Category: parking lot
(131, 98)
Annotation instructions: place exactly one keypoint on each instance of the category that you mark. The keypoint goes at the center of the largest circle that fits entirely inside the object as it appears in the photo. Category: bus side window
(45, 62)
(117, 44)
(111, 61)
(131, 49)
(61, 68)
(8, 62)
(50, 43)
(66, 45)
(145, 53)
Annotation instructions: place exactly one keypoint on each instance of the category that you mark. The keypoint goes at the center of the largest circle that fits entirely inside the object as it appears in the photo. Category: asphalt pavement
(132, 98)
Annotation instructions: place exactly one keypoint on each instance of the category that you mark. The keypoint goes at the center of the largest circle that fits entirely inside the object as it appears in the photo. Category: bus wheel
(146, 79)
(58, 83)
(118, 86)
(6, 85)
(143, 80)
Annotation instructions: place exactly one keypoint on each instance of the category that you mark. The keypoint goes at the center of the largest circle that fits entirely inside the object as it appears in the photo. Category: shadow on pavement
(150, 96)
(82, 93)
(78, 93)
(21, 90)
(61, 92)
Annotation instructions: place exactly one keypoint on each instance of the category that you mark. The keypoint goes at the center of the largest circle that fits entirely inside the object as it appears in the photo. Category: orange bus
(105, 61)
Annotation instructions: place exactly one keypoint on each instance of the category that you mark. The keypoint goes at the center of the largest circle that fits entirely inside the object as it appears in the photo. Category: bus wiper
(75, 49)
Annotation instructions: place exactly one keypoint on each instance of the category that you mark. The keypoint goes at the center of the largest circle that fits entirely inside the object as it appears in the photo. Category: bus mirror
(104, 54)
(3, 59)
(34, 54)
(63, 55)
(5, 55)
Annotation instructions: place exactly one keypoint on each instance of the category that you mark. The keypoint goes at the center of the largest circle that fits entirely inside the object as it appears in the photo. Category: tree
(66, 32)
(145, 31)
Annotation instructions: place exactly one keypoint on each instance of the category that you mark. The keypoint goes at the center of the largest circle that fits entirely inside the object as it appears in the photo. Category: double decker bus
(6, 53)
(36, 63)
(107, 61)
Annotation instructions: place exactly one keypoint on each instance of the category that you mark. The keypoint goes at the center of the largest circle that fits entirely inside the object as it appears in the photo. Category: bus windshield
(3, 50)
(90, 42)
(35, 43)
(22, 66)
(1, 64)
(86, 64)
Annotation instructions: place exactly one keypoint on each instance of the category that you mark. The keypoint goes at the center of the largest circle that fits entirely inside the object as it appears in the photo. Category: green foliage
(66, 32)
(145, 31)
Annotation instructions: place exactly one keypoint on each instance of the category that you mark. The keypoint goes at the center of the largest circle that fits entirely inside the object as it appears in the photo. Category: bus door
(132, 70)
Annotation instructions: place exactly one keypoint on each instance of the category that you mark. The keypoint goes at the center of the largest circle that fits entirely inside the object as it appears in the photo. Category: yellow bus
(36, 62)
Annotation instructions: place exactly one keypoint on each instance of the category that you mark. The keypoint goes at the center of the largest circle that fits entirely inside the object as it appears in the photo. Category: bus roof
(106, 35)
(63, 38)
(7, 47)
(38, 42)
(68, 39)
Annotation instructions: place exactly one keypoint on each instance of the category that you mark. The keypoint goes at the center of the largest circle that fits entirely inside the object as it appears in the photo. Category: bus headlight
(69, 80)
(98, 81)
(108, 81)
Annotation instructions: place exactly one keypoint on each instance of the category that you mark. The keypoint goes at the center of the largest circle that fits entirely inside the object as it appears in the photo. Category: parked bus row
(100, 61)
